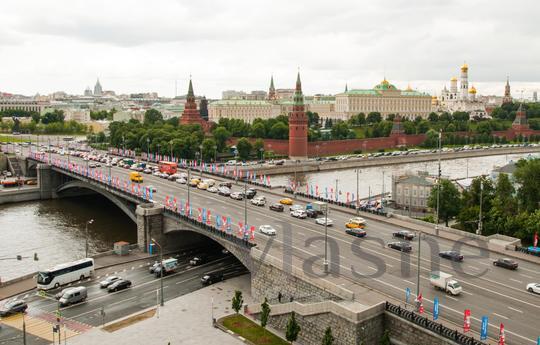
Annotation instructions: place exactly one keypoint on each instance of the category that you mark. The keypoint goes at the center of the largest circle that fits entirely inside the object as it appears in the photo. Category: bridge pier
(149, 225)
(48, 181)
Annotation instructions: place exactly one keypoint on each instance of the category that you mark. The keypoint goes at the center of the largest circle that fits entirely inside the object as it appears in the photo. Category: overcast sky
(143, 46)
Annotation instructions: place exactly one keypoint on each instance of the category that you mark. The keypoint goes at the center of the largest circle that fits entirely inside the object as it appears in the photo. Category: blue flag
(218, 221)
(435, 308)
(407, 294)
(204, 215)
(151, 198)
(484, 328)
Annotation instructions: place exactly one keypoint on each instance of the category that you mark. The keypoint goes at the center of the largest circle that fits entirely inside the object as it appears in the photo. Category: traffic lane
(13, 336)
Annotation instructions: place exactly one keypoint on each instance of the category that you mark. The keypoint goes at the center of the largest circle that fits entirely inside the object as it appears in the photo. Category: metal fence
(527, 251)
(433, 326)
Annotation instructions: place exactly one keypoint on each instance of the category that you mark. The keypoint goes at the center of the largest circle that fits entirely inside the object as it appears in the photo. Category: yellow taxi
(286, 201)
(356, 223)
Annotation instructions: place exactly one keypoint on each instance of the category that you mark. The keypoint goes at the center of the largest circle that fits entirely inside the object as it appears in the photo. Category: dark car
(197, 261)
(356, 232)
(211, 278)
(13, 307)
(119, 285)
(277, 207)
(225, 184)
(401, 246)
(451, 255)
(250, 193)
(289, 190)
(406, 235)
(506, 263)
(152, 268)
(311, 213)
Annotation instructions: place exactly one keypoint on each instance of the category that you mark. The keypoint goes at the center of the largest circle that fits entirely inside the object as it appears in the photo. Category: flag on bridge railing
(199, 217)
(208, 217)
(466, 320)
(174, 204)
(535, 240)
(252, 233)
(167, 201)
(240, 229)
(218, 222)
(229, 225)
(484, 328)
(502, 337)
(203, 215)
(223, 223)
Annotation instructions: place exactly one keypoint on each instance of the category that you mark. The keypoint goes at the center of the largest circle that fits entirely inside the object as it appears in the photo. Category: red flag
(419, 299)
(467, 320)
(502, 338)
(208, 217)
(199, 218)
(167, 201)
(224, 223)
(174, 205)
(252, 236)
(535, 241)
(240, 229)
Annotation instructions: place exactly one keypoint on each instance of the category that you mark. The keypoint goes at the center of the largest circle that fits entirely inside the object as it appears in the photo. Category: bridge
(362, 272)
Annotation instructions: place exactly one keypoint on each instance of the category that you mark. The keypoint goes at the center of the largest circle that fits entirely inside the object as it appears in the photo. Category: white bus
(65, 274)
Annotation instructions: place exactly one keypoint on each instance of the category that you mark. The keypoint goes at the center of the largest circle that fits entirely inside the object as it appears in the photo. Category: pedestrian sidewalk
(103, 260)
(185, 320)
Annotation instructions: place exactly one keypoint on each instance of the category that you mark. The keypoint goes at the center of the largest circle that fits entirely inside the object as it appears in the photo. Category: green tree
(423, 126)
(259, 147)
(237, 301)
(244, 148)
(152, 116)
(55, 116)
(221, 135)
(313, 119)
(209, 148)
(385, 340)
(328, 338)
(449, 201)
(293, 328)
(258, 130)
(35, 117)
(265, 313)
(340, 130)
(279, 130)
(527, 176)
(374, 117)
(433, 117)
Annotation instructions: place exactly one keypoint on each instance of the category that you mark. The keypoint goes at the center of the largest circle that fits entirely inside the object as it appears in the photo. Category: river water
(55, 230)
(371, 179)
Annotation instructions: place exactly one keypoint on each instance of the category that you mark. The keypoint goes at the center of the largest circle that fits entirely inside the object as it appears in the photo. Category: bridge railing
(144, 195)
(535, 251)
(433, 326)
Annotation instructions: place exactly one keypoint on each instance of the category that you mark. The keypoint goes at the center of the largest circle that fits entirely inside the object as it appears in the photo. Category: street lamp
(200, 166)
(86, 232)
(438, 185)
(162, 302)
(480, 225)
(325, 262)
(148, 149)
(418, 265)
(262, 153)
(357, 191)
(123, 145)
(170, 143)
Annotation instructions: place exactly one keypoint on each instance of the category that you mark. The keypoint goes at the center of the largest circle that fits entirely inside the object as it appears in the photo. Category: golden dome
(464, 67)
(453, 79)
(472, 89)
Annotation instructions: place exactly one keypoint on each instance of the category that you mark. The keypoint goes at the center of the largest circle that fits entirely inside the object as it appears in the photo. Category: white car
(267, 230)
(259, 201)
(322, 221)
(296, 207)
(533, 287)
(299, 214)
(108, 281)
(181, 180)
(212, 189)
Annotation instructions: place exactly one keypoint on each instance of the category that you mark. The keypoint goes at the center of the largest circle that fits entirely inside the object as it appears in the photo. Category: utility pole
(480, 225)
(337, 194)
(24, 329)
(438, 186)
(188, 185)
(295, 179)
(245, 204)
(357, 192)
(162, 302)
(86, 242)
(325, 263)
(383, 191)
(200, 166)
(418, 265)
(147, 149)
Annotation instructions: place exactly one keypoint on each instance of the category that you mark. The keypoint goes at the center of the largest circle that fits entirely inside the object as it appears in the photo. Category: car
(61, 293)
(296, 207)
(237, 196)
(250, 193)
(324, 221)
(286, 201)
(451, 255)
(212, 189)
(267, 230)
(533, 287)
(202, 186)
(153, 267)
(211, 278)
(311, 213)
(147, 171)
(356, 222)
(358, 232)
(226, 184)
(224, 191)
(108, 281)
(118, 285)
(301, 214)
(277, 207)
(13, 307)
(197, 261)
(259, 201)
(506, 263)
(406, 235)
(401, 246)
(181, 180)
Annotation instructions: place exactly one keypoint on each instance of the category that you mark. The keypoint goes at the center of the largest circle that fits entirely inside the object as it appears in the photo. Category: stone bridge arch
(126, 206)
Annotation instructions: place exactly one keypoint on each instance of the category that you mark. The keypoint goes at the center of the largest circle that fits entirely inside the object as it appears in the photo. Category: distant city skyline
(66, 47)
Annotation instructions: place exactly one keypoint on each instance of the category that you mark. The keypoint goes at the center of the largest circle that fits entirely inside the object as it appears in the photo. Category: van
(73, 295)
(135, 176)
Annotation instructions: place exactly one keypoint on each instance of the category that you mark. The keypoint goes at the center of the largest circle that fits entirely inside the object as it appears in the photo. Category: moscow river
(55, 230)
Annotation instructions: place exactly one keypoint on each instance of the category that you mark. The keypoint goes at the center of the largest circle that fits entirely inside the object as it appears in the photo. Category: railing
(527, 250)
(117, 187)
(433, 326)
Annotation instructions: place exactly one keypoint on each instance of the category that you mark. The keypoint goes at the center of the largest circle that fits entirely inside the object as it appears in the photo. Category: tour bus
(168, 167)
(65, 273)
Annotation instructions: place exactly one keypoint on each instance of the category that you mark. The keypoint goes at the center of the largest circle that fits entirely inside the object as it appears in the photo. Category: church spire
(272, 90)
(507, 95)
(190, 89)
(298, 83)
(346, 87)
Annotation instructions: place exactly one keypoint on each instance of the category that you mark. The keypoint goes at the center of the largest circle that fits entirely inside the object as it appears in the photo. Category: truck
(168, 167)
(446, 282)
(317, 206)
(168, 266)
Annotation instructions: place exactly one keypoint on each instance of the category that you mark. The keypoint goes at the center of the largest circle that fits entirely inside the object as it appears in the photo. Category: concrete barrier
(8, 196)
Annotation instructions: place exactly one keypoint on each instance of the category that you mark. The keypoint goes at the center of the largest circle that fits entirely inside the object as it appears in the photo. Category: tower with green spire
(298, 125)
(191, 114)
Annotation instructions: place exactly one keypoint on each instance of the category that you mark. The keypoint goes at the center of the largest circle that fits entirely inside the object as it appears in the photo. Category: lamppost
(170, 143)
(200, 148)
(438, 185)
(295, 178)
(86, 241)
(23, 328)
(162, 302)
(123, 145)
(187, 186)
(357, 191)
(325, 262)
(480, 225)
(158, 149)
(418, 264)
(383, 192)
(261, 150)
(245, 204)
(197, 160)
(148, 149)
(317, 148)
(337, 197)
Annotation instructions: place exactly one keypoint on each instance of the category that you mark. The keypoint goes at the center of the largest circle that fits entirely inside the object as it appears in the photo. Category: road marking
(514, 309)
(452, 298)
(467, 293)
(515, 280)
(142, 265)
(342, 257)
(392, 266)
(98, 277)
(525, 275)
(125, 269)
(115, 272)
(473, 268)
(408, 281)
(502, 316)
(299, 233)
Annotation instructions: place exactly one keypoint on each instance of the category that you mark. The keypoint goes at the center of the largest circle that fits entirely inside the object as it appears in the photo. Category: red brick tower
(272, 90)
(520, 122)
(191, 114)
(298, 125)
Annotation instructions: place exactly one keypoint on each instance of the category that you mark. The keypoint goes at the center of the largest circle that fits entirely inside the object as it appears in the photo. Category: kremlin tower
(298, 125)
(191, 114)
(507, 96)
(272, 90)
(464, 82)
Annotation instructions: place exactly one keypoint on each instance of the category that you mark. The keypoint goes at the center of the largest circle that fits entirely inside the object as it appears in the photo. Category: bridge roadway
(359, 263)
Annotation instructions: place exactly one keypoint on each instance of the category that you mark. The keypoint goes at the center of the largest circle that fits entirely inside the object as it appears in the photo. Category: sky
(148, 46)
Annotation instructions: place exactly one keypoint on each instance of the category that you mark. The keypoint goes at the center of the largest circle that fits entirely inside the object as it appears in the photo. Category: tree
(328, 338)
(313, 119)
(385, 340)
(237, 301)
(258, 146)
(54, 116)
(279, 130)
(449, 201)
(35, 117)
(208, 149)
(265, 313)
(293, 328)
(340, 130)
(152, 116)
(244, 148)
(422, 126)
(374, 117)
(258, 130)
(433, 117)
(527, 175)
(221, 135)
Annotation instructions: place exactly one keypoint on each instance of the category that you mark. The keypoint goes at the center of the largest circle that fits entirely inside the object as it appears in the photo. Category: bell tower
(298, 125)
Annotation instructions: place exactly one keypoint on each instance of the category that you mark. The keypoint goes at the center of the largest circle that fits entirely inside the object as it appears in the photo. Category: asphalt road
(355, 263)
(142, 295)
